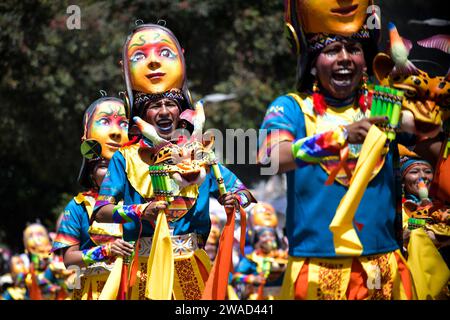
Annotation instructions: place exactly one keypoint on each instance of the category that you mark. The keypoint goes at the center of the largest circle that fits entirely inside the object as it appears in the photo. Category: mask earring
(319, 103)
(363, 101)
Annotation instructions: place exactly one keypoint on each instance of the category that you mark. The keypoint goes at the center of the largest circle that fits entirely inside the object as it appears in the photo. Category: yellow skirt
(377, 277)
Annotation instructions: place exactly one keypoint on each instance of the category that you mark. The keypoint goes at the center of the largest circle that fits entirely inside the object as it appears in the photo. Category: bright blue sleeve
(113, 185)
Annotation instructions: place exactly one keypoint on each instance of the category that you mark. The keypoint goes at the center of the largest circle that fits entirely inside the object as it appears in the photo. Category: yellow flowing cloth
(346, 241)
(111, 288)
(160, 266)
(429, 271)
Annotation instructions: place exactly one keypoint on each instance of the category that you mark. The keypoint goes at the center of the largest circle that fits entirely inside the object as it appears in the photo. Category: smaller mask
(36, 240)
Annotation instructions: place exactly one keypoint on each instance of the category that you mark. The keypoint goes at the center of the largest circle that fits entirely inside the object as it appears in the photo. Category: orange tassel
(217, 283)
(35, 290)
(319, 104)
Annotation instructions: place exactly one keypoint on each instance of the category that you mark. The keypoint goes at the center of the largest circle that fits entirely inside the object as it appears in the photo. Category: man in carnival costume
(93, 247)
(316, 136)
(154, 71)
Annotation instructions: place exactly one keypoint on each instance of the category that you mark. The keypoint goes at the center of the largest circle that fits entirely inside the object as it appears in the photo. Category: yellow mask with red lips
(332, 16)
(108, 125)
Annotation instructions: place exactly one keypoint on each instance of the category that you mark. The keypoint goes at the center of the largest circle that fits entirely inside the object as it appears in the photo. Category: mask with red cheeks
(339, 68)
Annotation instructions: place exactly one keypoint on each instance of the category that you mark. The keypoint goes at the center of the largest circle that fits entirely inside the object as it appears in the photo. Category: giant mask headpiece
(313, 24)
(105, 128)
(154, 68)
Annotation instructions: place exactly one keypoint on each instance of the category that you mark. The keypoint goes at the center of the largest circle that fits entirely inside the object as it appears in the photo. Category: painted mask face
(264, 215)
(340, 67)
(155, 62)
(36, 240)
(109, 126)
(332, 16)
(17, 266)
(417, 173)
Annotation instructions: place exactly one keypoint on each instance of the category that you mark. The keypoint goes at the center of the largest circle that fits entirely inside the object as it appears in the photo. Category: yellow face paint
(332, 16)
(109, 126)
(155, 62)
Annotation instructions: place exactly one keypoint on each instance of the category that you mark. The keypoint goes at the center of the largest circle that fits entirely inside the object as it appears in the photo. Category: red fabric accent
(203, 271)
(358, 225)
(123, 287)
(135, 263)
(216, 286)
(343, 154)
(132, 141)
(320, 106)
(405, 276)
(357, 288)
(243, 229)
(301, 284)
(440, 185)
(35, 290)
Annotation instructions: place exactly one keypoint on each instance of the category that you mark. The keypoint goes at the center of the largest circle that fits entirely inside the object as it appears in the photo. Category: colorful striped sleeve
(69, 232)
(310, 150)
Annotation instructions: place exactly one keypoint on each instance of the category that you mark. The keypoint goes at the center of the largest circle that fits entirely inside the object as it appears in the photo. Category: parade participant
(315, 136)
(82, 244)
(261, 271)
(18, 289)
(45, 278)
(154, 71)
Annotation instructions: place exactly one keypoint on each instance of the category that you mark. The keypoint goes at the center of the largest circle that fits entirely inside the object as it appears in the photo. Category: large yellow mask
(332, 16)
(107, 124)
(36, 240)
(155, 61)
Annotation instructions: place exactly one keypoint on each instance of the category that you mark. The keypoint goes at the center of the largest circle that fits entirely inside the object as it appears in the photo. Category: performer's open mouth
(345, 11)
(165, 125)
(342, 77)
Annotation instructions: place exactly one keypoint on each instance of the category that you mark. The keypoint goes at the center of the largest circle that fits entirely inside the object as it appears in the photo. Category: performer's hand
(229, 200)
(151, 212)
(358, 130)
(258, 279)
(121, 248)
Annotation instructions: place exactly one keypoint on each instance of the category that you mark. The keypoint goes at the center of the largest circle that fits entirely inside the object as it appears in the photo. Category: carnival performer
(261, 272)
(18, 271)
(154, 71)
(315, 136)
(46, 275)
(93, 246)
(426, 225)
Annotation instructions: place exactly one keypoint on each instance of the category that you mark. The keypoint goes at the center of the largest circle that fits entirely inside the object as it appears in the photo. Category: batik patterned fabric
(96, 254)
(377, 277)
(128, 179)
(311, 204)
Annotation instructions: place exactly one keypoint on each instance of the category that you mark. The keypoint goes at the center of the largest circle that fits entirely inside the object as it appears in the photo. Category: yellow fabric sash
(334, 117)
(111, 288)
(429, 271)
(346, 241)
(160, 265)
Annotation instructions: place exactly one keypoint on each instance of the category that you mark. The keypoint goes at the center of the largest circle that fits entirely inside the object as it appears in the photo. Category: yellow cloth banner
(429, 271)
(111, 288)
(346, 241)
(160, 266)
